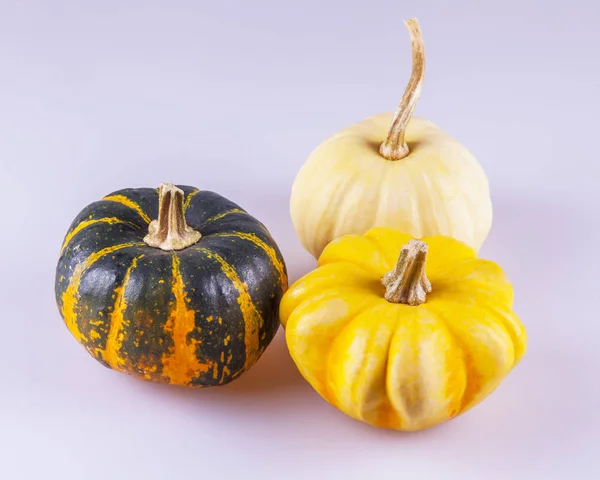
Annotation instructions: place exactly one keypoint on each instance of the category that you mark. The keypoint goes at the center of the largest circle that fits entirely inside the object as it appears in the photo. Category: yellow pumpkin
(392, 170)
(401, 333)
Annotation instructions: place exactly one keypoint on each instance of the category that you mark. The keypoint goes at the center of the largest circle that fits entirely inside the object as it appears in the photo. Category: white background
(232, 96)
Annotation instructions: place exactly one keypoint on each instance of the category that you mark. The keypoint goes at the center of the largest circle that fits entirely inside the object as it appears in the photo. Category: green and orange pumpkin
(174, 285)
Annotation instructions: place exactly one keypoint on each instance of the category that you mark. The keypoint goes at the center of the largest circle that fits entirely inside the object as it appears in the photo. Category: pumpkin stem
(394, 147)
(407, 283)
(170, 231)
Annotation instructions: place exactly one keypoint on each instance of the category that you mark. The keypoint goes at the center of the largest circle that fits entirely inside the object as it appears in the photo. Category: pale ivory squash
(392, 170)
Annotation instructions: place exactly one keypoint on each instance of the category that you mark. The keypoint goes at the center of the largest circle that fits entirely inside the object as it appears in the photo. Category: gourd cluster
(401, 325)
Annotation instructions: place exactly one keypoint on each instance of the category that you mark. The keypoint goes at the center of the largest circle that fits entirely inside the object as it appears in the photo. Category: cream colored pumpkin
(392, 170)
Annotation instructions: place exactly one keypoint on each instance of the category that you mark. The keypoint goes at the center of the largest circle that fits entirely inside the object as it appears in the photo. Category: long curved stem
(394, 147)
(170, 231)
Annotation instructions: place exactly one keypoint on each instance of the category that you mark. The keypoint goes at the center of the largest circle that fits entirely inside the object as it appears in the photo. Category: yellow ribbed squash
(392, 170)
(401, 333)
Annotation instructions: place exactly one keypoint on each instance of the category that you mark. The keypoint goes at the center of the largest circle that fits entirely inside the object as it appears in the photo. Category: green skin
(149, 295)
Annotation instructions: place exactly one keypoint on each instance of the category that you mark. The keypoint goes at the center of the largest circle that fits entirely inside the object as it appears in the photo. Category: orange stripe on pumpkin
(189, 198)
(181, 365)
(86, 223)
(252, 318)
(128, 202)
(70, 295)
(114, 341)
(270, 251)
(219, 216)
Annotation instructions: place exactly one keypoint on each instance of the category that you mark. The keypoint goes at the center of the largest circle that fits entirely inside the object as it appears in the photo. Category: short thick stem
(170, 231)
(394, 147)
(407, 283)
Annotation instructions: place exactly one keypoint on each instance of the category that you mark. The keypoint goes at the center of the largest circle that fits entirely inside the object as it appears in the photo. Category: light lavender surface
(232, 96)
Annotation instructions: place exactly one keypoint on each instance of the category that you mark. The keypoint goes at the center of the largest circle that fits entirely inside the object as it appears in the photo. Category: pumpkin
(402, 333)
(174, 285)
(392, 170)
